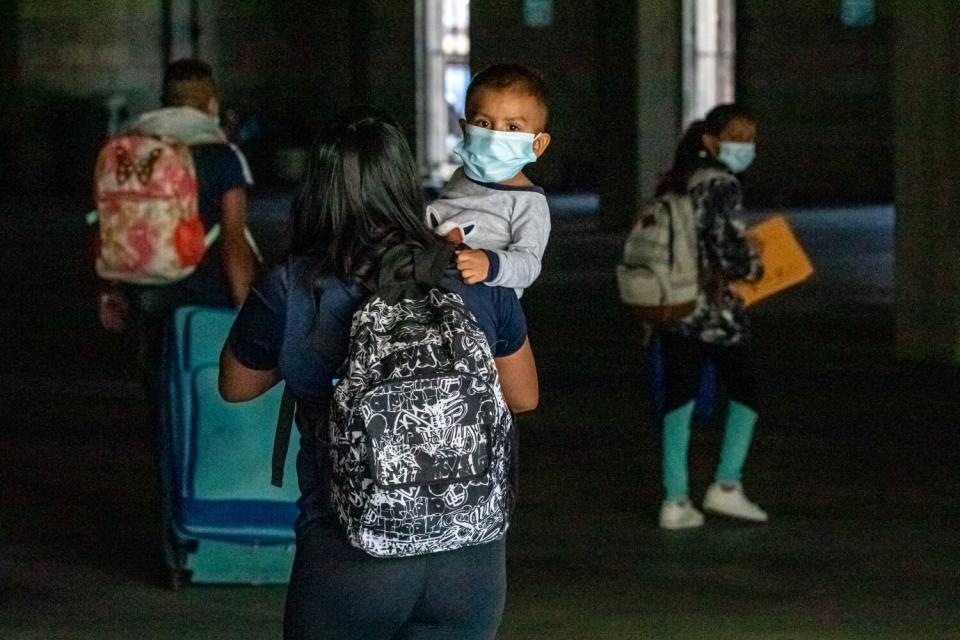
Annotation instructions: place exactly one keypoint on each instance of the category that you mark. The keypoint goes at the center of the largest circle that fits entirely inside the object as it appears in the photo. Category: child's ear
(711, 143)
(540, 143)
(432, 218)
(463, 126)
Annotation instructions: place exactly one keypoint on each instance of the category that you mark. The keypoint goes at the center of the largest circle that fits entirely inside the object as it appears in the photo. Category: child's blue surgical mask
(493, 156)
(737, 155)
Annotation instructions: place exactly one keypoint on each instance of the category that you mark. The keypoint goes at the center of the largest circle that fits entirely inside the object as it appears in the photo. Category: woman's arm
(238, 382)
(518, 379)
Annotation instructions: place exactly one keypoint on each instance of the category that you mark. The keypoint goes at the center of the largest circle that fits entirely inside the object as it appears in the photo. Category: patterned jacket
(725, 256)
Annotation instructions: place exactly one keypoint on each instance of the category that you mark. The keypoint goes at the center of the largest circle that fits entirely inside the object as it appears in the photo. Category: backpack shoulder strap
(281, 440)
(407, 268)
(431, 263)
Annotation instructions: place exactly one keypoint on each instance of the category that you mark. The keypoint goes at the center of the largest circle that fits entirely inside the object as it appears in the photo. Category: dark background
(822, 91)
(856, 453)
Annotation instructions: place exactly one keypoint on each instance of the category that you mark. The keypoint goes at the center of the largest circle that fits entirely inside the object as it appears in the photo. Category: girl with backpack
(361, 198)
(710, 154)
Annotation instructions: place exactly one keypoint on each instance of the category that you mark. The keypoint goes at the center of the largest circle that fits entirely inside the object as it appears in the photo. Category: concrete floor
(856, 460)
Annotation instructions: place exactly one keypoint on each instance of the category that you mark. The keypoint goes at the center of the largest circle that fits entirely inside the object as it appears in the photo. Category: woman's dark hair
(361, 195)
(691, 154)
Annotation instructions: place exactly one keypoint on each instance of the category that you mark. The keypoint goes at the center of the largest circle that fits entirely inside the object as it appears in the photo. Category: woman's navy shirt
(298, 321)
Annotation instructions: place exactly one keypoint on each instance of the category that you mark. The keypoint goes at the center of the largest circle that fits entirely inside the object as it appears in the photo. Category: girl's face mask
(494, 156)
(737, 155)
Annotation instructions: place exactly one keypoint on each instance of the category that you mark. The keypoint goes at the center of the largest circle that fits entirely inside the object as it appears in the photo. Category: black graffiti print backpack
(420, 434)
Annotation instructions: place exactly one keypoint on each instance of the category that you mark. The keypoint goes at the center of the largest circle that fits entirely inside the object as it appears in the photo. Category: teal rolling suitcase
(223, 520)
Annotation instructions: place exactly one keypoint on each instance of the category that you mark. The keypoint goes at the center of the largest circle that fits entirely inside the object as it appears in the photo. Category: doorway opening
(443, 73)
(709, 56)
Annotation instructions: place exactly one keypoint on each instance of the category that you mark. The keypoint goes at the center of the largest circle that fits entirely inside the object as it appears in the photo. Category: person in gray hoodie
(489, 205)
(189, 116)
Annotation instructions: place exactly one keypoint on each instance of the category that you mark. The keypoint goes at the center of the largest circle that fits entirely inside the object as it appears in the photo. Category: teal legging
(683, 362)
(737, 435)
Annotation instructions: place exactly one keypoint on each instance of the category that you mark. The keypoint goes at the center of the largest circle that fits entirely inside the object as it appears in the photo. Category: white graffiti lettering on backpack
(422, 434)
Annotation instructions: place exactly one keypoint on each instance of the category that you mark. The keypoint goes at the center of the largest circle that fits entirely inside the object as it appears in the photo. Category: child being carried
(489, 204)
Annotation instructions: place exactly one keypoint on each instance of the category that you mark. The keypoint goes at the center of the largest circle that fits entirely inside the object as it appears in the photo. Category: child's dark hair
(691, 154)
(188, 83)
(360, 196)
(509, 76)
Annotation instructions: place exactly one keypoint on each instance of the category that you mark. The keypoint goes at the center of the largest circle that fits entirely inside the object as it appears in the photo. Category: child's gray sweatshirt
(512, 223)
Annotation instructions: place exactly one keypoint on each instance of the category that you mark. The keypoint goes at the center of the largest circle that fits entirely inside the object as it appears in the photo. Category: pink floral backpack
(146, 196)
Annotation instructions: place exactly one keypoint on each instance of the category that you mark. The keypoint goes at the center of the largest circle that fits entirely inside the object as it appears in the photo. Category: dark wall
(822, 91)
(568, 55)
(297, 63)
(10, 97)
(290, 64)
(289, 61)
(60, 63)
(613, 70)
(302, 60)
(388, 76)
(926, 99)
(823, 95)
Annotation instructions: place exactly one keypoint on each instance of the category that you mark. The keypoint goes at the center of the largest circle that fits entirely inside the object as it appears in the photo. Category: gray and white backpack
(421, 439)
(659, 275)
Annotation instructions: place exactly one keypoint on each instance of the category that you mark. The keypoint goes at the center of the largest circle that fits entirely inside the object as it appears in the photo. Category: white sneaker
(679, 515)
(728, 500)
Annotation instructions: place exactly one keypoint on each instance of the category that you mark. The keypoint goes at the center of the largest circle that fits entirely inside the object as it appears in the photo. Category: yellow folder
(784, 261)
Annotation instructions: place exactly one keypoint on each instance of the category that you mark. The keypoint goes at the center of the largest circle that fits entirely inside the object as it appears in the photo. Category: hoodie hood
(183, 124)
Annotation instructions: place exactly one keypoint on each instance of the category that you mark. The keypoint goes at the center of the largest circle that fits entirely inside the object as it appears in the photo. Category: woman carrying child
(360, 198)
(709, 155)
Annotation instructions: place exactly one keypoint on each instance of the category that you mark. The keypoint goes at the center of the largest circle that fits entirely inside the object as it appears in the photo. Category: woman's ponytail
(689, 155)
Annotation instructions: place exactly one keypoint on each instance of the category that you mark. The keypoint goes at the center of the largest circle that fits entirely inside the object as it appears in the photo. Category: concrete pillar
(384, 60)
(11, 99)
(927, 116)
(641, 94)
(660, 84)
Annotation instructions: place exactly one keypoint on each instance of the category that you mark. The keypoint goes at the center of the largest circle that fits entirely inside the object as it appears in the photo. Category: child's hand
(112, 309)
(473, 264)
